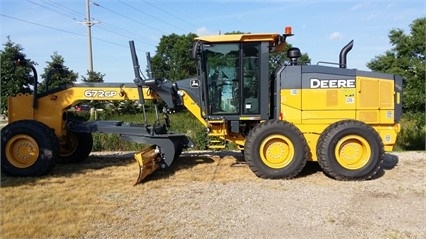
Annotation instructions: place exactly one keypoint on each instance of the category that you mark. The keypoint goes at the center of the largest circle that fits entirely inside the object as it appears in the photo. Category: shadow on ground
(105, 160)
(93, 162)
(187, 160)
(389, 162)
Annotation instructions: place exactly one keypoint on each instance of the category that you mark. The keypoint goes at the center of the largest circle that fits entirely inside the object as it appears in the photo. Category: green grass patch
(181, 122)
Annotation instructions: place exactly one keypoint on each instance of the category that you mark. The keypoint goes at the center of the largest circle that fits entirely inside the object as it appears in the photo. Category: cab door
(232, 74)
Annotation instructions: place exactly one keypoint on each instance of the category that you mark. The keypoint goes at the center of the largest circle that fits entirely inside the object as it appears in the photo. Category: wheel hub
(22, 151)
(353, 152)
(276, 151)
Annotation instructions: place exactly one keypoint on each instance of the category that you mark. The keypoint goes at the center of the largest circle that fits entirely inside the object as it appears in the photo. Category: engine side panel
(313, 97)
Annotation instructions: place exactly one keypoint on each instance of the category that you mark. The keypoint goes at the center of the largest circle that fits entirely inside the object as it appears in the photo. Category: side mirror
(195, 50)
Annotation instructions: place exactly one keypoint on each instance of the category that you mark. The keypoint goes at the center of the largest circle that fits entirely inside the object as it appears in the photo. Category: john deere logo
(317, 83)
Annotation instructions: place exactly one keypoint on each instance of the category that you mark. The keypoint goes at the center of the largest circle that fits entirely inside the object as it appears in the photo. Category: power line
(170, 14)
(121, 32)
(132, 19)
(66, 9)
(51, 9)
(41, 25)
(61, 30)
(159, 19)
(75, 14)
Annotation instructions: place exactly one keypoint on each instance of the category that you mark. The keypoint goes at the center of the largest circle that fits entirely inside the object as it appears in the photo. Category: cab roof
(257, 37)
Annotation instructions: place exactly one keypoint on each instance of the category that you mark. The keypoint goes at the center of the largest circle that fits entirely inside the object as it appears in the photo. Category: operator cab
(235, 72)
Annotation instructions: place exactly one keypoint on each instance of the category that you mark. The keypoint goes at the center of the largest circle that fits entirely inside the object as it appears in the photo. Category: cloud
(203, 31)
(335, 36)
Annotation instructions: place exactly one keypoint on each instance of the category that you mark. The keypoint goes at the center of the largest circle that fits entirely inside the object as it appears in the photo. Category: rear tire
(76, 147)
(275, 149)
(350, 150)
(28, 148)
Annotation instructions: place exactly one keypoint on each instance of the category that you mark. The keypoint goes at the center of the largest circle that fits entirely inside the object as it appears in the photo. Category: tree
(92, 76)
(56, 73)
(171, 60)
(14, 78)
(407, 59)
(236, 32)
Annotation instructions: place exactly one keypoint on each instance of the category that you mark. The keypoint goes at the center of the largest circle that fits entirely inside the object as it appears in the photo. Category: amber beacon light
(287, 31)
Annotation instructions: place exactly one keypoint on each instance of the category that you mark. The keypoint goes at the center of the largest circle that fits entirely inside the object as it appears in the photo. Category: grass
(81, 200)
(74, 199)
(97, 199)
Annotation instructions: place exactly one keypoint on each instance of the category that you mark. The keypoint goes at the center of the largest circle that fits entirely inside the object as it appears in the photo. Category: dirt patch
(213, 195)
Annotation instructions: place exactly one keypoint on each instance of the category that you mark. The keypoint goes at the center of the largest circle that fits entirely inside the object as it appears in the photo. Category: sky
(321, 28)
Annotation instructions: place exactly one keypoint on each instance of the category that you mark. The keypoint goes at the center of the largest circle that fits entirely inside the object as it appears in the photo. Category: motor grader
(345, 119)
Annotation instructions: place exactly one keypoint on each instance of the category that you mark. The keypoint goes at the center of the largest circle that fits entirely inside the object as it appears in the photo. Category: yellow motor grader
(280, 118)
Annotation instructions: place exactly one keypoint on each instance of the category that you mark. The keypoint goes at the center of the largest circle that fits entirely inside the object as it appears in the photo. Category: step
(216, 121)
(216, 146)
(215, 141)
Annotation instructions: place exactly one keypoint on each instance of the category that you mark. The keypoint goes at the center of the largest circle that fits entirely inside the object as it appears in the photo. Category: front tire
(28, 148)
(275, 149)
(350, 150)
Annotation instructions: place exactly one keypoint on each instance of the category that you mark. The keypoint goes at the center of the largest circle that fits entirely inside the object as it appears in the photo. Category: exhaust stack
(343, 53)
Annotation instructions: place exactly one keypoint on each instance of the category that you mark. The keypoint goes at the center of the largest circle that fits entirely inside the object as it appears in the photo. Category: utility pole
(89, 25)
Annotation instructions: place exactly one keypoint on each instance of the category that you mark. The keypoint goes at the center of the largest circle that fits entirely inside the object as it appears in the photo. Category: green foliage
(181, 122)
(56, 74)
(14, 79)
(171, 60)
(413, 132)
(93, 76)
(236, 32)
(113, 142)
(184, 122)
(407, 59)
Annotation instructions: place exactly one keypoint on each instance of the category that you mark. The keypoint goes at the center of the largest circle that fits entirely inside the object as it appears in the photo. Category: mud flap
(148, 161)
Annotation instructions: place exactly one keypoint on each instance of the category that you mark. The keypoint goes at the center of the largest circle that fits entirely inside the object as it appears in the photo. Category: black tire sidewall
(367, 134)
(46, 142)
(266, 129)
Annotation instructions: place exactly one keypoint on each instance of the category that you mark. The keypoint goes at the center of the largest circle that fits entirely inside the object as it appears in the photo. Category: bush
(413, 132)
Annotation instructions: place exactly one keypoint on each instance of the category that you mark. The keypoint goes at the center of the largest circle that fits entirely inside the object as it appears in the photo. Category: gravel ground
(223, 199)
